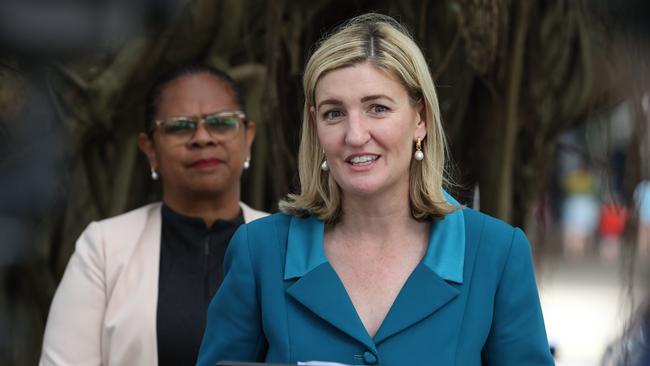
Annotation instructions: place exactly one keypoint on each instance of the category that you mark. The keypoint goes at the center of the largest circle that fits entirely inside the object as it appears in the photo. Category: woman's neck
(209, 207)
(388, 219)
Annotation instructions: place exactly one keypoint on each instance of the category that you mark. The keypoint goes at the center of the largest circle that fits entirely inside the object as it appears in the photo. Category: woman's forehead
(196, 94)
(357, 82)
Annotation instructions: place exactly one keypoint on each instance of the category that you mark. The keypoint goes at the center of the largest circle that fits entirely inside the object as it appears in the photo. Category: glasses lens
(179, 126)
(222, 125)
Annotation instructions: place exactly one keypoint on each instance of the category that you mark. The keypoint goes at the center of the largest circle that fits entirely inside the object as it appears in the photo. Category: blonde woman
(372, 263)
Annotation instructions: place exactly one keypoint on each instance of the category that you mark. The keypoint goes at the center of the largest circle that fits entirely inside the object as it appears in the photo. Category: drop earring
(247, 163)
(324, 166)
(419, 155)
(154, 174)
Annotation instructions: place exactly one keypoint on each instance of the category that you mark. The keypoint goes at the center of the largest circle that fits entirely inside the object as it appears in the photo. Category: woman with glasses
(372, 263)
(136, 290)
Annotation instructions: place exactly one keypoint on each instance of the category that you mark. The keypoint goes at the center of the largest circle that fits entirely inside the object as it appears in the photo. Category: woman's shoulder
(116, 237)
(123, 230)
(267, 229)
(499, 251)
(133, 217)
(267, 233)
(270, 222)
(480, 221)
(251, 214)
(493, 234)
(260, 240)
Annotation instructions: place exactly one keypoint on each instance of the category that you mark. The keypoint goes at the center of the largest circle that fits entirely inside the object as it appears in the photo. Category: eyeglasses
(221, 125)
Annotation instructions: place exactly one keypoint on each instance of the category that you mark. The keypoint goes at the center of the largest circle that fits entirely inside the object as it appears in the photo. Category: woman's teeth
(363, 159)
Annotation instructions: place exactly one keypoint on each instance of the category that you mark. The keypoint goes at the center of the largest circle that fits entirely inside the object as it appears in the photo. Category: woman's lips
(362, 162)
(205, 163)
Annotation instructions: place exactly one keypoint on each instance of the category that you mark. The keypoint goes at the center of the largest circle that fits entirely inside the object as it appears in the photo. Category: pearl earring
(247, 163)
(154, 174)
(419, 155)
(324, 166)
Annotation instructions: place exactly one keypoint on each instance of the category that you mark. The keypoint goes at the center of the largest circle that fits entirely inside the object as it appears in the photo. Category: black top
(191, 271)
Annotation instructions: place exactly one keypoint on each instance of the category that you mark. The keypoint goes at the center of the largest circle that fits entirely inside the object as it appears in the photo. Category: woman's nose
(357, 133)
(201, 135)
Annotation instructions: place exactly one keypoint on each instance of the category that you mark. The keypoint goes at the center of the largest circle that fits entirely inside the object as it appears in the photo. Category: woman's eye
(378, 109)
(332, 115)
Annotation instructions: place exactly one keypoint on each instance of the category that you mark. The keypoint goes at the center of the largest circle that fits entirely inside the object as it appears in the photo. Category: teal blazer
(472, 300)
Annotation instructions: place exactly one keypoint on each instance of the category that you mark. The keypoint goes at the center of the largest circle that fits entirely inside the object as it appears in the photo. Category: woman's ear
(145, 144)
(250, 135)
(421, 125)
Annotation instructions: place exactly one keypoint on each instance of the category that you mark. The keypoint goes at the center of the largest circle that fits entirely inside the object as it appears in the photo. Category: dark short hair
(153, 96)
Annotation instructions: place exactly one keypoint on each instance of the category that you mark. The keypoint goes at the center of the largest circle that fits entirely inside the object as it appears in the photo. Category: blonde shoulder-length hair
(381, 41)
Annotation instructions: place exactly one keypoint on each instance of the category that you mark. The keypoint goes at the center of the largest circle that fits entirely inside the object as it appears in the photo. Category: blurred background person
(137, 287)
(642, 200)
(613, 218)
(580, 213)
(632, 348)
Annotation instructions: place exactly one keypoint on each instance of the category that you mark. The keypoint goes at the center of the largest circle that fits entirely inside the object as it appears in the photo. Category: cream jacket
(104, 310)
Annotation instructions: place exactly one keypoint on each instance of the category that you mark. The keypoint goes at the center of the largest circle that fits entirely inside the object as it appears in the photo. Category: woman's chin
(365, 189)
(210, 186)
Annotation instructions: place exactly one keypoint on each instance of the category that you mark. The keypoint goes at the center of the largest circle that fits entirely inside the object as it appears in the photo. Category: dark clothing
(191, 259)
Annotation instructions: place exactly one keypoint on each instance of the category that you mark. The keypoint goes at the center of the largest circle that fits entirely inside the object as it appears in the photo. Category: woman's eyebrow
(376, 96)
(363, 100)
(329, 101)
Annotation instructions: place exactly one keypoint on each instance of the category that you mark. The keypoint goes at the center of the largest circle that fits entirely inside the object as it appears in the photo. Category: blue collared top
(445, 255)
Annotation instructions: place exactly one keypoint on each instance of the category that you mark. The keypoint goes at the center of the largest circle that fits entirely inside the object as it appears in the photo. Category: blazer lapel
(130, 314)
(429, 287)
(422, 295)
(317, 285)
(321, 291)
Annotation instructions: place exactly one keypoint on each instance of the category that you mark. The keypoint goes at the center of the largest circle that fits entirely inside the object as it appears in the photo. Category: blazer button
(369, 358)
